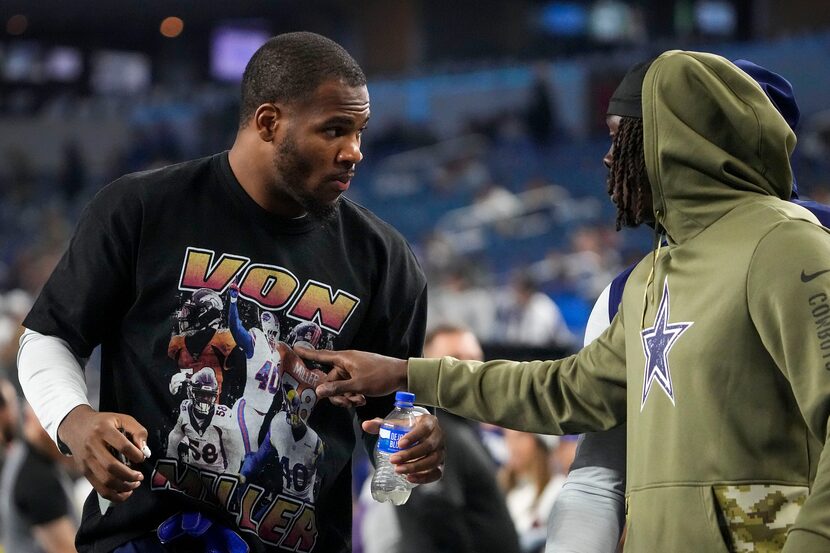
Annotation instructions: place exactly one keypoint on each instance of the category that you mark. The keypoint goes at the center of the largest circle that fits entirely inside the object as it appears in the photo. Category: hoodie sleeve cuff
(422, 375)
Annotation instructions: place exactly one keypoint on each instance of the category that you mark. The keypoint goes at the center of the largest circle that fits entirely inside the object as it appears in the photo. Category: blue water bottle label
(388, 438)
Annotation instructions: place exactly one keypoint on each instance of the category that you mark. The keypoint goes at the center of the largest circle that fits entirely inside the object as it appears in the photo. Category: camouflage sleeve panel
(759, 516)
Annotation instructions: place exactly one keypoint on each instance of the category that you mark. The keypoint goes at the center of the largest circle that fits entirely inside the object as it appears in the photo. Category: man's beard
(294, 171)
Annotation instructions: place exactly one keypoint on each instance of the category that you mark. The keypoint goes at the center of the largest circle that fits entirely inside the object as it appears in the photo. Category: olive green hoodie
(719, 357)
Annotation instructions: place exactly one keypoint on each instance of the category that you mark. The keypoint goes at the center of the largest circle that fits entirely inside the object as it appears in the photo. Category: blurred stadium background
(485, 143)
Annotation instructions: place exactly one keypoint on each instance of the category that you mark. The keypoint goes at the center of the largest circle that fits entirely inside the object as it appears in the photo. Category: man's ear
(266, 120)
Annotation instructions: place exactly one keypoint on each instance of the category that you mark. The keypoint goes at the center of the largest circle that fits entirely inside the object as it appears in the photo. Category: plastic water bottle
(387, 485)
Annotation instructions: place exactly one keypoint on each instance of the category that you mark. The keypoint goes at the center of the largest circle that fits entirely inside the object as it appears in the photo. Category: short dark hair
(290, 67)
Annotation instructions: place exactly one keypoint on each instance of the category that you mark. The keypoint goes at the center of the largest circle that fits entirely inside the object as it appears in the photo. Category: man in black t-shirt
(148, 275)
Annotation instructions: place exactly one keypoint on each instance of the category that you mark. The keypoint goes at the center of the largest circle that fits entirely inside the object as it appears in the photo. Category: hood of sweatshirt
(712, 140)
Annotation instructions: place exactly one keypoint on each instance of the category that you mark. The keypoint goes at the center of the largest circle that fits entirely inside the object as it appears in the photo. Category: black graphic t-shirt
(197, 295)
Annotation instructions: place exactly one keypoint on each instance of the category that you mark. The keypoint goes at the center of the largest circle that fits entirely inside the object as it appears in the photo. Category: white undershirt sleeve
(589, 513)
(598, 321)
(51, 377)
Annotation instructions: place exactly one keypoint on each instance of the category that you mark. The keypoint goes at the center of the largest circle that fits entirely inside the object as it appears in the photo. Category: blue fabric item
(239, 332)
(777, 88)
(781, 94)
(821, 211)
(141, 545)
(216, 538)
(151, 544)
(616, 291)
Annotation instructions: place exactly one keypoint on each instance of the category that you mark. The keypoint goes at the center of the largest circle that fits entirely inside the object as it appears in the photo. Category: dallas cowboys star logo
(657, 341)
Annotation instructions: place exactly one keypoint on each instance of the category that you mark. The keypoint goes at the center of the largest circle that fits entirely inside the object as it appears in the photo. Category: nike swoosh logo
(807, 278)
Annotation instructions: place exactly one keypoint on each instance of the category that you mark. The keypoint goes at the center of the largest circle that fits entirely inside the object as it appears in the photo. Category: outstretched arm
(579, 393)
(242, 335)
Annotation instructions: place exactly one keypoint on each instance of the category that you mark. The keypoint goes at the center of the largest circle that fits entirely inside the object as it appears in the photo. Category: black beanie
(627, 100)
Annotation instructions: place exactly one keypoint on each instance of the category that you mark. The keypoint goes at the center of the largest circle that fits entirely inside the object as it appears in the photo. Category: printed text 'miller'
(269, 286)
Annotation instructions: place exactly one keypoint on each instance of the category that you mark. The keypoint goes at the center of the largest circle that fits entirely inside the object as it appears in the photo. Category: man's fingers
(119, 486)
(422, 453)
(423, 464)
(132, 453)
(100, 476)
(137, 434)
(123, 442)
(335, 374)
(411, 453)
(423, 449)
(112, 495)
(118, 471)
(337, 388)
(133, 428)
(105, 457)
(424, 426)
(427, 476)
(319, 355)
(372, 426)
(348, 400)
(331, 385)
(356, 399)
(340, 401)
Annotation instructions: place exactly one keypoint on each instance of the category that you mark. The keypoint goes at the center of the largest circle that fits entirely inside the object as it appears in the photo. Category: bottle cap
(405, 397)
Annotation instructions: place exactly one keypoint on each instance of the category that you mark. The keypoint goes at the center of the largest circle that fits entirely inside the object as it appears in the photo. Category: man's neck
(253, 170)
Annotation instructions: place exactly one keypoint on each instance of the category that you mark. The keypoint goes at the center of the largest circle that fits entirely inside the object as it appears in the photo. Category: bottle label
(388, 438)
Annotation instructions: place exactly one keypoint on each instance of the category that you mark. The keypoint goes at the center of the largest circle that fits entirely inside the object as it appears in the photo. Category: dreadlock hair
(628, 183)
(289, 68)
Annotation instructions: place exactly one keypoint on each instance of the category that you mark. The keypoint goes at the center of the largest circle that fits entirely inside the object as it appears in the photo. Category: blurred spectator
(38, 515)
(19, 182)
(592, 260)
(531, 485)
(495, 204)
(492, 437)
(525, 316)
(540, 118)
(9, 416)
(465, 511)
(437, 255)
(563, 455)
(13, 308)
(72, 177)
(455, 299)
(463, 172)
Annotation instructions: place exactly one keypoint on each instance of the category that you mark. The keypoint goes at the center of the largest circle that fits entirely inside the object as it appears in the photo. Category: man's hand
(422, 462)
(92, 437)
(348, 399)
(357, 372)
